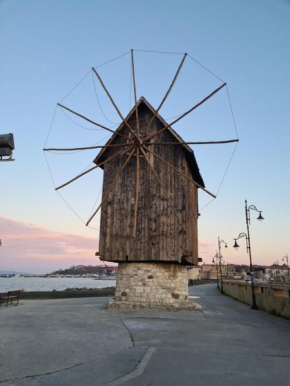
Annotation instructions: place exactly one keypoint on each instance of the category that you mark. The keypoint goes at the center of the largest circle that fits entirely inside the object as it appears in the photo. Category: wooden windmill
(149, 206)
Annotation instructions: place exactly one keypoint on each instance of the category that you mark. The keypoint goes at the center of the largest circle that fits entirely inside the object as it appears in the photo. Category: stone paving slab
(91, 373)
(77, 342)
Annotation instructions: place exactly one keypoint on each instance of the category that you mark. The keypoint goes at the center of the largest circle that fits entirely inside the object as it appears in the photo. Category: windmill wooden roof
(189, 153)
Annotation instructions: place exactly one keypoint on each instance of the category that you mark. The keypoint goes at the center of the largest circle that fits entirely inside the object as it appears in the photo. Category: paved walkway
(76, 342)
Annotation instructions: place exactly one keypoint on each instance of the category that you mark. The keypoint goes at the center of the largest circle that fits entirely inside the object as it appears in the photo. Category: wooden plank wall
(166, 226)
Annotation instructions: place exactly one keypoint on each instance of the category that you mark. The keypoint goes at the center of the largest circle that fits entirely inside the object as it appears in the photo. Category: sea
(42, 284)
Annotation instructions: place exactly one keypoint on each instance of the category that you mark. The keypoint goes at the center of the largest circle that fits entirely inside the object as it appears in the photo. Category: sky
(47, 48)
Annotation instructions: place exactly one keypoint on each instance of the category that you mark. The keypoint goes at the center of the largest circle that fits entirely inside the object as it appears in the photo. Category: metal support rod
(220, 258)
(254, 304)
(220, 242)
(217, 269)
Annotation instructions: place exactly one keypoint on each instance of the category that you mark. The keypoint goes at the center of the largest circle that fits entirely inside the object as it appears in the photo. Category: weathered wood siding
(166, 226)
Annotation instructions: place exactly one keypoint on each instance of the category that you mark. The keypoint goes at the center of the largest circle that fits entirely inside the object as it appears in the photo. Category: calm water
(49, 284)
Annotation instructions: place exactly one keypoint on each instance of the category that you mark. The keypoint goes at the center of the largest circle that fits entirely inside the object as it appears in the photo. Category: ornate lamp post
(220, 242)
(215, 260)
(248, 243)
(285, 258)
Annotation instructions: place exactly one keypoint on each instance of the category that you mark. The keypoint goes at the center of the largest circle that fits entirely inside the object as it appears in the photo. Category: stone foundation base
(153, 286)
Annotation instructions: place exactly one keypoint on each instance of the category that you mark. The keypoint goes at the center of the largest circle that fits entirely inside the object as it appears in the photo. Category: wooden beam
(160, 183)
(179, 172)
(138, 150)
(192, 143)
(167, 92)
(186, 113)
(172, 83)
(110, 187)
(93, 168)
(114, 104)
(137, 191)
(88, 147)
(89, 120)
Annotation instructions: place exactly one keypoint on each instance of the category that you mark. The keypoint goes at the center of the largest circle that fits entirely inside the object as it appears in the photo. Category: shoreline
(68, 293)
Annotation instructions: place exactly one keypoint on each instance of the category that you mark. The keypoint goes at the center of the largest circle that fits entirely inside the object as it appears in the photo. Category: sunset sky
(48, 47)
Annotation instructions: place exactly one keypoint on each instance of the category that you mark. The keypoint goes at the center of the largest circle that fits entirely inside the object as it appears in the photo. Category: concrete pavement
(79, 342)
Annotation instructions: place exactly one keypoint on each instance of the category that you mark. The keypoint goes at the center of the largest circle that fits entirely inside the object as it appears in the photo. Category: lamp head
(260, 218)
(236, 245)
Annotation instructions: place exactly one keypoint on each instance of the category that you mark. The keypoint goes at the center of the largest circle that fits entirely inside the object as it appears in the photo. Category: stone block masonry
(152, 285)
(270, 297)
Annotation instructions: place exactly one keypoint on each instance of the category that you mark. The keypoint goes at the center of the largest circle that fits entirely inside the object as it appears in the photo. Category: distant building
(212, 271)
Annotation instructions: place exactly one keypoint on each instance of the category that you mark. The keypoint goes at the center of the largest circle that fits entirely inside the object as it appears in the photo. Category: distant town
(212, 272)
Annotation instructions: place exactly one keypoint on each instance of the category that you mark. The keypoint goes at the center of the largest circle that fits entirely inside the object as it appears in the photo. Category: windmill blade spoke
(114, 104)
(88, 147)
(184, 114)
(179, 172)
(89, 120)
(172, 83)
(192, 143)
(93, 168)
(167, 92)
(110, 187)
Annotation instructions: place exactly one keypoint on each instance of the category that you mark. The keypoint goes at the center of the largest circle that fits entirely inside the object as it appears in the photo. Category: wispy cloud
(32, 248)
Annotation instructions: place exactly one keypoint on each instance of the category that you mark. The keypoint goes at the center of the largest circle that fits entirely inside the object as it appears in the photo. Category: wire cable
(223, 178)
(96, 94)
(84, 77)
(112, 60)
(64, 200)
(205, 68)
(50, 126)
(232, 111)
(77, 124)
(161, 52)
(78, 83)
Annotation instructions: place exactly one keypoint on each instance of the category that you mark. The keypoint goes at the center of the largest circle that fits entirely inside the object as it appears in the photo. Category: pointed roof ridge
(141, 100)
(157, 115)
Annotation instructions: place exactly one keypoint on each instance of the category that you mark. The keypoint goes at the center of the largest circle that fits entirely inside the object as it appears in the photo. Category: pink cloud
(27, 247)
(30, 248)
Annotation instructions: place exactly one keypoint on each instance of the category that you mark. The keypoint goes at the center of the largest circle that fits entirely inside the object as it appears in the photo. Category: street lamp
(220, 242)
(285, 258)
(215, 260)
(248, 244)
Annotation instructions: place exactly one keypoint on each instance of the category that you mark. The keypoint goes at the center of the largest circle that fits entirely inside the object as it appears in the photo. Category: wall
(270, 297)
(151, 285)
(193, 273)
